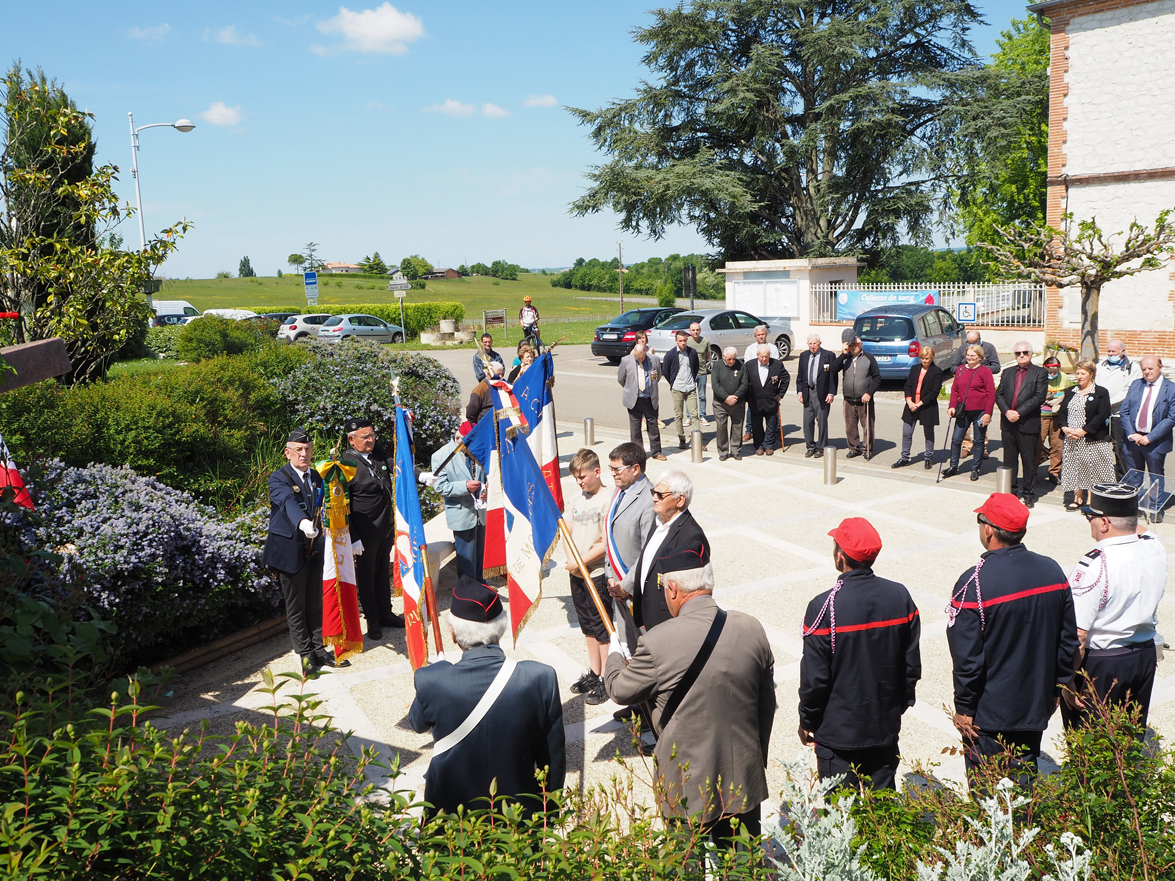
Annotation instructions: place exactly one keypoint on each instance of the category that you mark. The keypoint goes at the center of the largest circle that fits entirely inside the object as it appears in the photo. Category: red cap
(858, 539)
(465, 428)
(1005, 511)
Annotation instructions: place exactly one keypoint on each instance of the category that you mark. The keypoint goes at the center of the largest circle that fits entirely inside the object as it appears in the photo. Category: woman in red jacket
(972, 397)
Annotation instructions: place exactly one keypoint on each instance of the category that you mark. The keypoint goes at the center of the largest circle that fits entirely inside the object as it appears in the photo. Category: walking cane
(946, 440)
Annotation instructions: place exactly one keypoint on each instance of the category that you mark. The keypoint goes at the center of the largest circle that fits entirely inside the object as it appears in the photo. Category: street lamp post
(183, 125)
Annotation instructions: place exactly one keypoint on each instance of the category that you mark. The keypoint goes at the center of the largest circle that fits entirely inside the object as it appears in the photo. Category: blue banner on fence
(850, 304)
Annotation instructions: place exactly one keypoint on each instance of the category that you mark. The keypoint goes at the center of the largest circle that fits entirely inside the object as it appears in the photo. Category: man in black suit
(372, 515)
(816, 386)
(295, 545)
(517, 735)
(1021, 392)
(675, 528)
(767, 383)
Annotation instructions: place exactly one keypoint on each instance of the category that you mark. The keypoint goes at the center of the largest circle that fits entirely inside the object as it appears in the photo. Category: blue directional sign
(310, 282)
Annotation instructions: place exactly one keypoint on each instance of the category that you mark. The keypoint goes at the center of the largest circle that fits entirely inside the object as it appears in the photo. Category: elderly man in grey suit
(711, 675)
(460, 484)
(638, 375)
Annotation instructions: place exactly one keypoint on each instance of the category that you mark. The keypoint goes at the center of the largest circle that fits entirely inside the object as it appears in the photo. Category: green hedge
(417, 316)
(161, 341)
(211, 336)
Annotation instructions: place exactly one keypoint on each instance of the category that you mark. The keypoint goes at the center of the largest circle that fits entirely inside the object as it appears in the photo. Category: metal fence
(998, 304)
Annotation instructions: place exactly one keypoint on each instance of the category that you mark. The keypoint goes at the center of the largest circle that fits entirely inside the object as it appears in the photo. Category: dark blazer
(1097, 413)
(672, 361)
(1162, 415)
(726, 381)
(1033, 391)
(648, 601)
(764, 399)
(522, 732)
(371, 497)
(927, 414)
(825, 379)
(285, 545)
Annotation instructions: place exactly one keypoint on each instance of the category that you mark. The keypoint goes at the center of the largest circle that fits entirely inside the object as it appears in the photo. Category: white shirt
(1130, 572)
(752, 353)
(1149, 412)
(649, 555)
(764, 369)
(1115, 380)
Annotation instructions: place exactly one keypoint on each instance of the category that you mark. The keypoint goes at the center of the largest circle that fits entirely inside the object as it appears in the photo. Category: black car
(615, 339)
(277, 316)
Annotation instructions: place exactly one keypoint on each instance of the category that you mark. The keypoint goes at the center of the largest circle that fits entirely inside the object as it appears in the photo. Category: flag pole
(430, 599)
(586, 576)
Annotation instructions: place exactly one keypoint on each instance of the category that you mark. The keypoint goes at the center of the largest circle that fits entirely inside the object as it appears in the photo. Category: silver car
(301, 326)
(364, 327)
(723, 327)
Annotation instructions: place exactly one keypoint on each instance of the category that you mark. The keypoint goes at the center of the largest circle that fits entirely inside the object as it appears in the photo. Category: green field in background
(477, 293)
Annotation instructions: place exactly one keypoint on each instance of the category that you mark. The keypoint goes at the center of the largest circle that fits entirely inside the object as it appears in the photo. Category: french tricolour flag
(409, 563)
(482, 445)
(533, 393)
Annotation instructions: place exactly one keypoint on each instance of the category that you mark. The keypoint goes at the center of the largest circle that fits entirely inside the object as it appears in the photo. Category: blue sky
(434, 128)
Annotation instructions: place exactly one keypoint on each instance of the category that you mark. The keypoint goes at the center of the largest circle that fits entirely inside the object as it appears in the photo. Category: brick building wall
(1112, 153)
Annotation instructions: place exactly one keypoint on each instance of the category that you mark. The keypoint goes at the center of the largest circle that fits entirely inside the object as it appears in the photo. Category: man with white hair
(481, 399)
(816, 387)
(728, 379)
(711, 676)
(675, 527)
(495, 722)
(767, 382)
(1116, 374)
(749, 357)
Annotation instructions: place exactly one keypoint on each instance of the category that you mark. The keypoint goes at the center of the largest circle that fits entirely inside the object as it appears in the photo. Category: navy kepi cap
(474, 601)
(298, 436)
(356, 424)
(1112, 500)
(691, 556)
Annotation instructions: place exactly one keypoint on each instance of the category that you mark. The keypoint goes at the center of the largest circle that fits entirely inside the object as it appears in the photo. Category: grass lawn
(141, 365)
(477, 293)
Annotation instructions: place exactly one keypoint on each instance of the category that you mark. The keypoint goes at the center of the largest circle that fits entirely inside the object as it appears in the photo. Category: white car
(232, 314)
(723, 327)
(299, 327)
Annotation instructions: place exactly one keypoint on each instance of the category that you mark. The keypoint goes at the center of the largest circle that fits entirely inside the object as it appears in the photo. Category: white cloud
(383, 29)
(221, 114)
(494, 111)
(540, 101)
(230, 37)
(451, 107)
(150, 33)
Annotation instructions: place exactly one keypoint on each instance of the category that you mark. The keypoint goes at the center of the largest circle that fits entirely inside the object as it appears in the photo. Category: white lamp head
(183, 125)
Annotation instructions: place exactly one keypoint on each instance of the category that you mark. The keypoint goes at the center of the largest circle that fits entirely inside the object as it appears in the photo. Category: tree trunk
(1090, 299)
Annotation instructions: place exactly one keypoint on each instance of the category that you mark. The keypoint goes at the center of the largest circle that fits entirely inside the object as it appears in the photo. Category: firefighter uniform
(860, 666)
(1012, 637)
(1117, 588)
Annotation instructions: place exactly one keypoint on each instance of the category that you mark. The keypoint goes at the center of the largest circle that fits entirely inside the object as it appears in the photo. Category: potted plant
(1064, 353)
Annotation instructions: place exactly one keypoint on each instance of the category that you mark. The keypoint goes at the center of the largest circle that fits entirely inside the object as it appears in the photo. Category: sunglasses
(659, 495)
(1022, 352)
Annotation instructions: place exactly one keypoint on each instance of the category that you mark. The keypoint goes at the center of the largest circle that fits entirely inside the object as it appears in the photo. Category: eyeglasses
(982, 520)
(1091, 516)
(616, 470)
(1022, 352)
(659, 495)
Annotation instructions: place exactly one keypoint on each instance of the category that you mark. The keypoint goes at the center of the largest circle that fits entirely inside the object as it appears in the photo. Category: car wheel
(345, 336)
(302, 335)
(715, 354)
(397, 338)
(612, 359)
(784, 345)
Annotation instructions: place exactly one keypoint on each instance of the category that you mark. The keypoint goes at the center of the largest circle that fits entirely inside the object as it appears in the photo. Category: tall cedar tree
(785, 128)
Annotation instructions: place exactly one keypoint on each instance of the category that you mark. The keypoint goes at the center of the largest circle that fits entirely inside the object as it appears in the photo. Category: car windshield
(628, 319)
(883, 328)
(678, 322)
(332, 322)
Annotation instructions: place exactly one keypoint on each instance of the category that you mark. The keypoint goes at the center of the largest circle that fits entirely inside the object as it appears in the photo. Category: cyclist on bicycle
(528, 318)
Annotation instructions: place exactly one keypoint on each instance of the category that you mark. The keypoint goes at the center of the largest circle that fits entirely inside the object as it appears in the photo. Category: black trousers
(1117, 676)
(302, 592)
(1119, 441)
(645, 412)
(1020, 455)
(764, 427)
(373, 577)
(876, 767)
(816, 422)
(1022, 749)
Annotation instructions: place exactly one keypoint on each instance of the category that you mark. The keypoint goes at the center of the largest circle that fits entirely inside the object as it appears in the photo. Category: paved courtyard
(767, 520)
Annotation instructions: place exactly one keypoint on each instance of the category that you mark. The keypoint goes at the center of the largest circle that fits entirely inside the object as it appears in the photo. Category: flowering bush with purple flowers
(353, 378)
(156, 563)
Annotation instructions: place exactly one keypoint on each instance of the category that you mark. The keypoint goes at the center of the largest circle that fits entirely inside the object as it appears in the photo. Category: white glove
(357, 549)
(308, 529)
(427, 478)
(615, 646)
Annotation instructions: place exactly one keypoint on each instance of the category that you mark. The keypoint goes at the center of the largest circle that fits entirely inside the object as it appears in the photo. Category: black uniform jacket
(927, 414)
(648, 599)
(765, 398)
(825, 375)
(1011, 663)
(371, 497)
(522, 732)
(285, 546)
(1033, 390)
(854, 698)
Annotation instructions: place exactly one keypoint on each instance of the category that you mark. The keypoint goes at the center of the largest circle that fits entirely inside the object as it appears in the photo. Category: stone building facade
(1112, 153)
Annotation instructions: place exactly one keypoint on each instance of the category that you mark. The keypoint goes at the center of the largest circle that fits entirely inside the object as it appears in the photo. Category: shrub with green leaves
(210, 336)
(161, 342)
(353, 378)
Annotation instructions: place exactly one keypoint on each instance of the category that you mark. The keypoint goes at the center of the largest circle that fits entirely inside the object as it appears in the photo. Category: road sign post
(310, 283)
(400, 287)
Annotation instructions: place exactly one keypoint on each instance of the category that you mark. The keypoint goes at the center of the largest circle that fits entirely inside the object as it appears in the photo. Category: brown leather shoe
(770, 451)
(658, 457)
(747, 437)
(760, 452)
